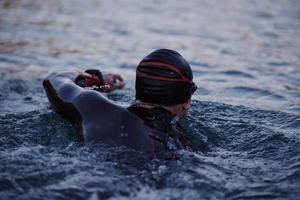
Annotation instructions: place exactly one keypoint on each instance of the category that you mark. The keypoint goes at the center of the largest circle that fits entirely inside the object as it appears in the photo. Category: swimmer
(164, 86)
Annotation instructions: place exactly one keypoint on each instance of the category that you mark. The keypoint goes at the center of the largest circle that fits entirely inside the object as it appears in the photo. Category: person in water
(164, 86)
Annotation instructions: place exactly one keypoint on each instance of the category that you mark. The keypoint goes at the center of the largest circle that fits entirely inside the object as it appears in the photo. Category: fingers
(119, 85)
(117, 77)
(115, 81)
(118, 81)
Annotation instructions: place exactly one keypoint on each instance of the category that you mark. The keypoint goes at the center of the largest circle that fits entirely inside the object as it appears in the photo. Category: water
(245, 56)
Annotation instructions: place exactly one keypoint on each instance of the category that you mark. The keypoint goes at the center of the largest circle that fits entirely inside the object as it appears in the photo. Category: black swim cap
(164, 77)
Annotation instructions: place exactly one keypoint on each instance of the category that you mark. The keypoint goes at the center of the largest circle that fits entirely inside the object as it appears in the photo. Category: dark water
(245, 55)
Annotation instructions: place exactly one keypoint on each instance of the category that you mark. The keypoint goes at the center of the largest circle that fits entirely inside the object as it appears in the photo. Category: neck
(151, 105)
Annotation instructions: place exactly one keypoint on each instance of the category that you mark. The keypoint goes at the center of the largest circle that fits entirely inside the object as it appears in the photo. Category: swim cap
(164, 77)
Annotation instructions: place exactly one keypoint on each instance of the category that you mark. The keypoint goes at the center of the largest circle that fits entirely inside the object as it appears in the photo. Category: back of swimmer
(164, 88)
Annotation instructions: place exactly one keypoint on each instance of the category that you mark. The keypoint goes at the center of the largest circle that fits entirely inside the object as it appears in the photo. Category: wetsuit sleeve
(70, 100)
(61, 91)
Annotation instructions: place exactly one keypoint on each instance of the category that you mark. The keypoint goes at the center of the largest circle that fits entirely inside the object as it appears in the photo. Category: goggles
(193, 88)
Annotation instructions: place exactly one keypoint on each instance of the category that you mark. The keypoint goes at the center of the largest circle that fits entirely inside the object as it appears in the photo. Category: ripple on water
(251, 92)
(236, 73)
(40, 155)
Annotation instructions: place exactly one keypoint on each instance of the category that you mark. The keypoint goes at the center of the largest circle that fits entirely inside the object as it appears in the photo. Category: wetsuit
(101, 121)
(166, 129)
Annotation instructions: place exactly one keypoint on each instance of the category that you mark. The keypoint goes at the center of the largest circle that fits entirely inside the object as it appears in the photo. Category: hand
(114, 81)
(89, 80)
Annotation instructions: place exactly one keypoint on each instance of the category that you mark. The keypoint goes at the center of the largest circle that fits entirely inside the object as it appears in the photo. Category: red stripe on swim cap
(162, 66)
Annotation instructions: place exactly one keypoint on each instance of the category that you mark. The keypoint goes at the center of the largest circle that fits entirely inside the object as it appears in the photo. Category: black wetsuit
(166, 129)
(101, 121)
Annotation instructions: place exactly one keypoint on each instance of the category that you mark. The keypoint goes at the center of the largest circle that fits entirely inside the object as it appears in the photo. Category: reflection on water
(245, 55)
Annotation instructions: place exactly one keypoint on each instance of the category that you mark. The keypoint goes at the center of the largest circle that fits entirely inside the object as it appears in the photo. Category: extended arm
(69, 99)
(63, 87)
(98, 119)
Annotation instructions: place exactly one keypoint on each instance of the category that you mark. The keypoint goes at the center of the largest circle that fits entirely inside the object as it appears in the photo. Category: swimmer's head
(165, 78)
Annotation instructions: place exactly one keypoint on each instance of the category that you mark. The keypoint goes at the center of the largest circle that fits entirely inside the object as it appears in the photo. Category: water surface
(245, 57)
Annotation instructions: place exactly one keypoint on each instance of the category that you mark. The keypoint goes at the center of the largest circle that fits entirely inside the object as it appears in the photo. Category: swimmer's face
(186, 107)
(182, 109)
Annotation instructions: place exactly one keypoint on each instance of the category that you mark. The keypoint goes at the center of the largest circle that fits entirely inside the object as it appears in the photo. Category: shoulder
(94, 101)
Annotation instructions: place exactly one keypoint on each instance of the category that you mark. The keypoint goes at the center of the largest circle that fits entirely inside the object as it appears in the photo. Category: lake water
(246, 61)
